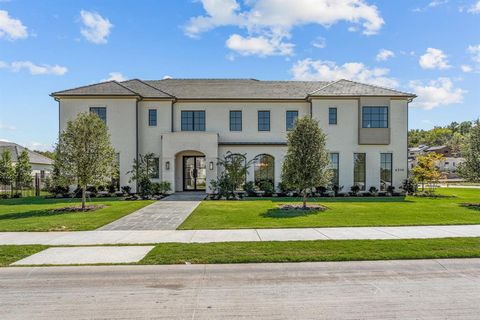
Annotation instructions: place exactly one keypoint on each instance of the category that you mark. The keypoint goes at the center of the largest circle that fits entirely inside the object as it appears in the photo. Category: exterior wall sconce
(210, 165)
(167, 165)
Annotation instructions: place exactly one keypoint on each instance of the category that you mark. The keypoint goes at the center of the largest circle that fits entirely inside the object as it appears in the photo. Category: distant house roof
(435, 148)
(230, 89)
(16, 149)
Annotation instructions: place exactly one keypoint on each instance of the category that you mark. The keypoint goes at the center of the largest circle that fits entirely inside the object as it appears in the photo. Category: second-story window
(193, 120)
(375, 117)
(263, 120)
(291, 116)
(235, 120)
(332, 115)
(101, 112)
(152, 117)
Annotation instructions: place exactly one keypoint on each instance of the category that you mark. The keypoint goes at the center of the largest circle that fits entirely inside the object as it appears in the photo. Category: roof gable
(351, 88)
(109, 88)
(144, 89)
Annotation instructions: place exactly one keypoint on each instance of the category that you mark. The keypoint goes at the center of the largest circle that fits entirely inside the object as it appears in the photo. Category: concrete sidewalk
(249, 235)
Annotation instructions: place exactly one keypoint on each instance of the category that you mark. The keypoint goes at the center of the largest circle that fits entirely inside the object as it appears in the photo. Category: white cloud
(434, 59)
(10, 28)
(384, 55)
(4, 126)
(96, 28)
(5, 140)
(167, 77)
(319, 42)
(319, 70)
(475, 52)
(466, 68)
(273, 20)
(436, 93)
(34, 145)
(36, 69)
(260, 46)
(431, 4)
(475, 8)
(116, 76)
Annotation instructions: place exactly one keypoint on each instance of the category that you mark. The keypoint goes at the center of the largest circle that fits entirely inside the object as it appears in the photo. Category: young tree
(470, 169)
(142, 171)
(426, 169)
(306, 164)
(7, 171)
(233, 175)
(23, 171)
(84, 153)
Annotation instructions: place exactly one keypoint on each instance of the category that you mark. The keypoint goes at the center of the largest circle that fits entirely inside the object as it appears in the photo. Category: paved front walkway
(250, 235)
(166, 214)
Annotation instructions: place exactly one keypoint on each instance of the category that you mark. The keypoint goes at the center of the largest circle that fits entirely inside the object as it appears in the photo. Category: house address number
(399, 170)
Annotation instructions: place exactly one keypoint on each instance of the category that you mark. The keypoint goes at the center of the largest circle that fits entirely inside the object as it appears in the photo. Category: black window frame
(332, 115)
(233, 116)
(152, 117)
(375, 117)
(289, 120)
(263, 121)
(335, 168)
(363, 173)
(96, 110)
(264, 169)
(383, 166)
(196, 120)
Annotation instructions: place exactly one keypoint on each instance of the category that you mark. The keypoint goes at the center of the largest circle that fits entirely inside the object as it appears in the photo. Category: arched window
(264, 165)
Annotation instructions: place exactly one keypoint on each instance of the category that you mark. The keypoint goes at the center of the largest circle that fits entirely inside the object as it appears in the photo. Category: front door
(194, 173)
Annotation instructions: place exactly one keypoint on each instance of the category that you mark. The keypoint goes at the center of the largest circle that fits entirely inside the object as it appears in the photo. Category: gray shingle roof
(232, 89)
(351, 88)
(16, 149)
(109, 88)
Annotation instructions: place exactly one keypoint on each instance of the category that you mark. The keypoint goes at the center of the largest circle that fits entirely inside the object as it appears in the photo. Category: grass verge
(10, 254)
(303, 251)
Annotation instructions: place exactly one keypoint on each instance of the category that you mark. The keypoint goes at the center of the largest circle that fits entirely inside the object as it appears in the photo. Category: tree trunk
(304, 200)
(84, 196)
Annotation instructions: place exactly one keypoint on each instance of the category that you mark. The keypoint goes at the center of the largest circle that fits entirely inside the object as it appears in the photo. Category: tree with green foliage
(142, 171)
(426, 170)
(7, 171)
(234, 168)
(23, 171)
(84, 154)
(306, 163)
(470, 169)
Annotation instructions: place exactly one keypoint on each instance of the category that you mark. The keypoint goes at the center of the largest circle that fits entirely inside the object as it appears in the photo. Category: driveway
(412, 289)
(166, 214)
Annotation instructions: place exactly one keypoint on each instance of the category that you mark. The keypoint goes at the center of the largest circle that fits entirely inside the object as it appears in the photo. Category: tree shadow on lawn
(281, 214)
(40, 214)
(471, 206)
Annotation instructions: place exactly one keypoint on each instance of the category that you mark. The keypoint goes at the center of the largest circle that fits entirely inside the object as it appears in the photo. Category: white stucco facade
(127, 119)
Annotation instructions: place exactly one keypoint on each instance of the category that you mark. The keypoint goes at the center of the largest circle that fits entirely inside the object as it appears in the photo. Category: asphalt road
(422, 289)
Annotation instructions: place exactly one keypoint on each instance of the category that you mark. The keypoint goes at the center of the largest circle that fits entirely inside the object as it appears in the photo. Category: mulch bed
(89, 207)
(471, 205)
(310, 207)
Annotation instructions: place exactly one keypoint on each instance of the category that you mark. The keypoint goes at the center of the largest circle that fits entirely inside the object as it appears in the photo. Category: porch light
(210, 165)
(167, 165)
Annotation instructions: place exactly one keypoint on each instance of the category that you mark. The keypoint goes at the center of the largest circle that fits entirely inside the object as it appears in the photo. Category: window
(385, 171)
(291, 117)
(375, 117)
(359, 170)
(154, 163)
(235, 120)
(332, 115)
(101, 112)
(42, 174)
(193, 120)
(152, 117)
(263, 120)
(334, 167)
(264, 169)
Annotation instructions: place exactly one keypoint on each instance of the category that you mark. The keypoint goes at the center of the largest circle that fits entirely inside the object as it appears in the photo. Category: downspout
(136, 142)
(311, 107)
(172, 115)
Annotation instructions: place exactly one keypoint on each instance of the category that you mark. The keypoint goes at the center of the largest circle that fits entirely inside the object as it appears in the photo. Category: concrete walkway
(409, 289)
(166, 214)
(249, 235)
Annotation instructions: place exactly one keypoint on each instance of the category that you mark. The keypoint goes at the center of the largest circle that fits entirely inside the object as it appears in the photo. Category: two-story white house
(189, 123)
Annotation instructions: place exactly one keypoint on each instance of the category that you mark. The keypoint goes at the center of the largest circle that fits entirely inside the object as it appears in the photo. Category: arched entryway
(191, 171)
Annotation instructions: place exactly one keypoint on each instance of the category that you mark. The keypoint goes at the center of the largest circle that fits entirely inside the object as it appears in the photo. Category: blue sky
(429, 47)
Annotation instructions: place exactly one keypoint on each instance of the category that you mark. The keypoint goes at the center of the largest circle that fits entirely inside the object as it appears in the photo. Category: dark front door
(194, 173)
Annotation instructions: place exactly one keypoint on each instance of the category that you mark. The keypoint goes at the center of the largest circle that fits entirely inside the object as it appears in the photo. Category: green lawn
(10, 254)
(301, 251)
(35, 214)
(342, 212)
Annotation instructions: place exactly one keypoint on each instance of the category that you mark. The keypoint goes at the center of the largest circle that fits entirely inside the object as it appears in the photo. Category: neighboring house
(189, 123)
(415, 151)
(40, 164)
(448, 165)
